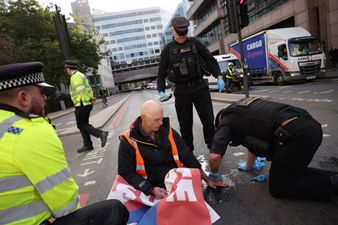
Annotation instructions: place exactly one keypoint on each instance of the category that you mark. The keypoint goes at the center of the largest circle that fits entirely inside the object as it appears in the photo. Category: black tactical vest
(184, 62)
(258, 119)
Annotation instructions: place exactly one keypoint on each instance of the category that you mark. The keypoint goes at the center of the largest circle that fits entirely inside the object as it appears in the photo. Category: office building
(132, 37)
(319, 17)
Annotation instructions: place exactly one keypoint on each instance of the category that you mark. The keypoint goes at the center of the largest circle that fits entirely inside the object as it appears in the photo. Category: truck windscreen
(304, 46)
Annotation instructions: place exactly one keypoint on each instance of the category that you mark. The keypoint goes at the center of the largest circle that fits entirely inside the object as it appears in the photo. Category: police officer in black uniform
(184, 61)
(288, 136)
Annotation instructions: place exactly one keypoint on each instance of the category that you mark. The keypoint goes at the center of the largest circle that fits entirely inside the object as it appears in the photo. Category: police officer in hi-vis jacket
(82, 97)
(35, 179)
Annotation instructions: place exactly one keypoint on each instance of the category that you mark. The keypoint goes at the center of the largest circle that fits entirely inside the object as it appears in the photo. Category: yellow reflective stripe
(13, 183)
(22, 212)
(71, 207)
(53, 180)
(7, 123)
(78, 93)
(78, 85)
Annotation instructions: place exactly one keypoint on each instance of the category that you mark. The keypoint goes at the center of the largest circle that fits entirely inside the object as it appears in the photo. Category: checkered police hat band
(33, 78)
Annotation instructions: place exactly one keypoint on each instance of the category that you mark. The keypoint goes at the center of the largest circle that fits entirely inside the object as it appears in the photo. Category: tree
(27, 33)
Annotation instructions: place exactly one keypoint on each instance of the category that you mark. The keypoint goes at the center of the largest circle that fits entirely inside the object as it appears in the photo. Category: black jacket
(252, 126)
(209, 61)
(156, 154)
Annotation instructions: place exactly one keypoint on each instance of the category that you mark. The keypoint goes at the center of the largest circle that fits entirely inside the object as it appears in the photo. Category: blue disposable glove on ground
(259, 178)
(242, 167)
(162, 94)
(258, 166)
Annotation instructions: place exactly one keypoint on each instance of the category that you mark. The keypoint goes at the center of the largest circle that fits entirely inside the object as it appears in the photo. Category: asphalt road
(245, 202)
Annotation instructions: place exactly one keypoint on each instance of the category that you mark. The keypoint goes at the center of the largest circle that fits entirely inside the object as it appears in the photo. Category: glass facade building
(132, 37)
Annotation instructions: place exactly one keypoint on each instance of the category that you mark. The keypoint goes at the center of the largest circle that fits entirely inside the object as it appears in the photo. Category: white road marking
(274, 91)
(324, 125)
(70, 122)
(90, 183)
(319, 100)
(262, 90)
(326, 135)
(326, 92)
(283, 87)
(287, 92)
(86, 173)
(239, 153)
(302, 92)
(298, 99)
(58, 124)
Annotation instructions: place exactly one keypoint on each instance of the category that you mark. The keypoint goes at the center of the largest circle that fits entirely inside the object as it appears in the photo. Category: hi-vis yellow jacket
(80, 90)
(35, 180)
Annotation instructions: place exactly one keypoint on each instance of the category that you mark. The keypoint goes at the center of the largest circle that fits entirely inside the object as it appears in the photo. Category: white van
(223, 61)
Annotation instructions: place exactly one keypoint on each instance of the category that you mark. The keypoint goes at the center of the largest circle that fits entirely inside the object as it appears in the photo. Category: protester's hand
(242, 167)
(159, 192)
(93, 100)
(216, 180)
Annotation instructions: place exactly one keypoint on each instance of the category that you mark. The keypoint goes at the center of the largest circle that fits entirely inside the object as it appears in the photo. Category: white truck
(282, 55)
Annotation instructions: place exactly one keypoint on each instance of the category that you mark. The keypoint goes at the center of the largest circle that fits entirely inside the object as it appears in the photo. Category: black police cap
(179, 22)
(71, 63)
(21, 74)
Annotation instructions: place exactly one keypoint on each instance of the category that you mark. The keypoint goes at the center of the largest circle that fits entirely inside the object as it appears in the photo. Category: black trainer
(85, 148)
(103, 138)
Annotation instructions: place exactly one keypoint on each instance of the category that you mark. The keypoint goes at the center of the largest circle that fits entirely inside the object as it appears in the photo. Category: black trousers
(290, 176)
(109, 212)
(228, 84)
(199, 96)
(82, 114)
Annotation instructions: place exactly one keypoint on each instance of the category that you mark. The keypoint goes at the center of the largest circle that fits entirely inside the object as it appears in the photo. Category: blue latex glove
(258, 166)
(259, 178)
(215, 176)
(242, 167)
(162, 94)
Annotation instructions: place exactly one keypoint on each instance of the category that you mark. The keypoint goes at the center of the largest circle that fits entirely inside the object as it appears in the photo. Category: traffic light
(232, 14)
(243, 14)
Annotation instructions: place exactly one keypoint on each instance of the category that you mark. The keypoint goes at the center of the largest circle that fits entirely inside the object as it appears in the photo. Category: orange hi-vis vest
(140, 169)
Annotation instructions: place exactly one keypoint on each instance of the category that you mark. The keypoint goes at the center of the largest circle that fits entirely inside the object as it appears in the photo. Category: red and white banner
(184, 204)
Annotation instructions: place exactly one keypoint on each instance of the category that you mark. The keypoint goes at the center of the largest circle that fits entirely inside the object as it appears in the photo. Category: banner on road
(184, 204)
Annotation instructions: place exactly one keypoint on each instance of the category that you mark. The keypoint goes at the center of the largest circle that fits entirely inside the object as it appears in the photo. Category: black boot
(85, 148)
(103, 138)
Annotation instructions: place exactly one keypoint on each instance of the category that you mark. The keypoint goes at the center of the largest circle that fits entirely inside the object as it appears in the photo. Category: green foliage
(27, 33)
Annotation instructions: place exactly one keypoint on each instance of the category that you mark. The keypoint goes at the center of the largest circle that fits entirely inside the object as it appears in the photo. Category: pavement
(101, 118)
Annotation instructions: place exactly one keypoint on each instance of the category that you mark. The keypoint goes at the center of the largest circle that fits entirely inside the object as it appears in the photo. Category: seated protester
(35, 179)
(288, 136)
(151, 149)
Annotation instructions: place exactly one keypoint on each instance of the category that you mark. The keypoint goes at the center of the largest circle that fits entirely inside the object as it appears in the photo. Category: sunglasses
(181, 32)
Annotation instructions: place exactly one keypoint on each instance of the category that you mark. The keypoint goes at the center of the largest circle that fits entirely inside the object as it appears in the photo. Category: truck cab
(223, 62)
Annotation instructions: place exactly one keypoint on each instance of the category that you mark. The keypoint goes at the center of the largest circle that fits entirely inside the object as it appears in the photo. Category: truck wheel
(279, 79)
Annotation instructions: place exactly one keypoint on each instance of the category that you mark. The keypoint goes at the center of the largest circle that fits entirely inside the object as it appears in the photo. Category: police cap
(21, 74)
(71, 63)
(180, 22)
